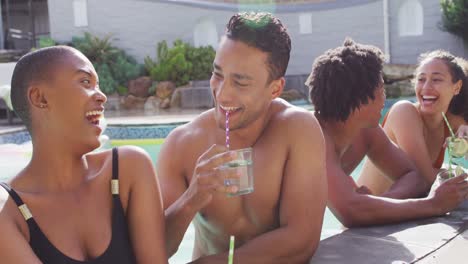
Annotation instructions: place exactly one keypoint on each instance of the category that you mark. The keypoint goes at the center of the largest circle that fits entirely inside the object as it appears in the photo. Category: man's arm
(356, 209)
(302, 204)
(394, 164)
(144, 208)
(183, 200)
(13, 245)
(173, 185)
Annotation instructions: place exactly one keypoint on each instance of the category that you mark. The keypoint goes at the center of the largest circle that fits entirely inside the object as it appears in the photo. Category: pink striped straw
(227, 129)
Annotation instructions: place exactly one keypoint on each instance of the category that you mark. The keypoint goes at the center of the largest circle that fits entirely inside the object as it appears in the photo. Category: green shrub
(202, 62)
(181, 63)
(125, 69)
(97, 50)
(114, 67)
(455, 18)
(45, 42)
(107, 83)
(172, 64)
(122, 90)
(152, 89)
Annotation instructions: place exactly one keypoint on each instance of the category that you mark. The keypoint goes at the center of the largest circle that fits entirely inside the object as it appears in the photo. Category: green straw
(448, 146)
(231, 250)
(447, 122)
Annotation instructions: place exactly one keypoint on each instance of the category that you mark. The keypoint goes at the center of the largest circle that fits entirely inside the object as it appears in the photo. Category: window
(205, 33)
(410, 18)
(305, 23)
(80, 13)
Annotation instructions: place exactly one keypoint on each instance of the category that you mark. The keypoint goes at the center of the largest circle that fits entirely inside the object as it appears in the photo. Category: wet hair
(36, 66)
(344, 78)
(266, 33)
(458, 69)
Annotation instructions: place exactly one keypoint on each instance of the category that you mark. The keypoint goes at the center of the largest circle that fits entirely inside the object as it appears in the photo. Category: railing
(32, 38)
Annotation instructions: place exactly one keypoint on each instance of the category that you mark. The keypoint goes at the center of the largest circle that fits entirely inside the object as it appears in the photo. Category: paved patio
(437, 240)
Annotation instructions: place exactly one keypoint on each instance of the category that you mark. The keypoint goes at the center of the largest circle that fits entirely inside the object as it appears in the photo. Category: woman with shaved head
(69, 204)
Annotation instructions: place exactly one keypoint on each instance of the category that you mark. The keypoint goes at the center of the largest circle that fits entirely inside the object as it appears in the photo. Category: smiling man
(289, 161)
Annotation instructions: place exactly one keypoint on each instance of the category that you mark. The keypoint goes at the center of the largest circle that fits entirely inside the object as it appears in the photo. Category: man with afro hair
(346, 88)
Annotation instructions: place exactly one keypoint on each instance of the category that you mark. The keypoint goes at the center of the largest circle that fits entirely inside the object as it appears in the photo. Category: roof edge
(280, 8)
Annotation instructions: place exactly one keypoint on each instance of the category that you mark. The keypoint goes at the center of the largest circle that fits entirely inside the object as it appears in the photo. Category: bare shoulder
(6, 214)
(3, 200)
(133, 155)
(404, 110)
(190, 133)
(403, 118)
(293, 118)
(14, 246)
(133, 162)
(403, 115)
(8, 210)
(127, 155)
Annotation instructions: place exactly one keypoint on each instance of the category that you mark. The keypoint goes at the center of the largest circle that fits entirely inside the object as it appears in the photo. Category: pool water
(151, 146)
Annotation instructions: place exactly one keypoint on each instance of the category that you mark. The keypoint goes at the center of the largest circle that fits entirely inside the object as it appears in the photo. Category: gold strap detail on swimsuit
(25, 211)
(115, 186)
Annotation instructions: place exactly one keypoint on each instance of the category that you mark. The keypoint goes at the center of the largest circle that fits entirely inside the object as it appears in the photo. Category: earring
(42, 105)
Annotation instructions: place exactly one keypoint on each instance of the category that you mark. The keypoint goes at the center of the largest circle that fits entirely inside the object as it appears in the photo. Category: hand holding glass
(243, 166)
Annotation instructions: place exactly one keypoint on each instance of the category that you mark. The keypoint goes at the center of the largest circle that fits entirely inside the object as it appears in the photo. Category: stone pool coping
(11, 129)
(436, 240)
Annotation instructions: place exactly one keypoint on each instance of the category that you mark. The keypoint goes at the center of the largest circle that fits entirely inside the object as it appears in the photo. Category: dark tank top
(119, 249)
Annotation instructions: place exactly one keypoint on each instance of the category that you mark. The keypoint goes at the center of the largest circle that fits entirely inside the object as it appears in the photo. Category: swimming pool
(150, 138)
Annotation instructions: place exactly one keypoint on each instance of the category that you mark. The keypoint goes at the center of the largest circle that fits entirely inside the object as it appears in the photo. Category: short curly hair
(344, 78)
(458, 68)
(266, 33)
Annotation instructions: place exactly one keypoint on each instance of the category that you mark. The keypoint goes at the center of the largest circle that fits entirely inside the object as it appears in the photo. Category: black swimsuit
(119, 249)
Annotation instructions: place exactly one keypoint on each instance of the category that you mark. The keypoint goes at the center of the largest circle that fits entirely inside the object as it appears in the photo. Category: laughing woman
(418, 128)
(69, 205)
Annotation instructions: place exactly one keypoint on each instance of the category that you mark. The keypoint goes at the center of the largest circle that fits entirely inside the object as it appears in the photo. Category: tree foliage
(455, 18)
